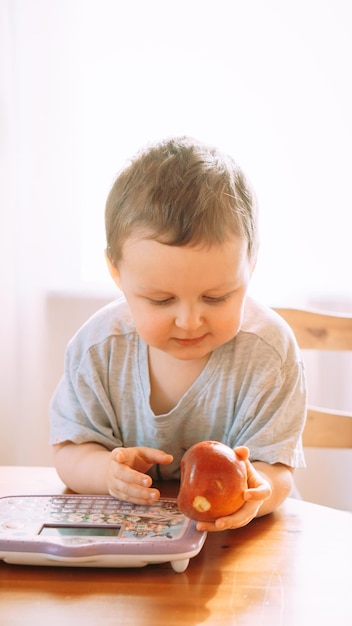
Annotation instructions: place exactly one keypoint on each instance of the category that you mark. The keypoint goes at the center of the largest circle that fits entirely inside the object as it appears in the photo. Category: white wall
(326, 480)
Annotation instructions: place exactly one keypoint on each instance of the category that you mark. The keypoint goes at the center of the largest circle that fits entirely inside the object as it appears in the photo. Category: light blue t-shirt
(251, 392)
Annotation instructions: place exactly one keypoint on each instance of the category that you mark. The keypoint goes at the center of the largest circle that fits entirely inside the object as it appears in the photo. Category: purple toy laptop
(95, 531)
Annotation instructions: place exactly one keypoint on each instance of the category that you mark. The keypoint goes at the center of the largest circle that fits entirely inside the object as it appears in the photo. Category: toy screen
(80, 531)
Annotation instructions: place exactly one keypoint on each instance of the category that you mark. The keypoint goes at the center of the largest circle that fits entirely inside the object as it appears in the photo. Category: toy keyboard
(95, 531)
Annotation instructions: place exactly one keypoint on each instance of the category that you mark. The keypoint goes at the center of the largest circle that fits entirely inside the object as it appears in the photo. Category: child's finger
(152, 455)
(261, 492)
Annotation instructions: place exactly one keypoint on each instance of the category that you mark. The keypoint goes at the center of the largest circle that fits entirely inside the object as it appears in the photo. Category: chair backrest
(325, 428)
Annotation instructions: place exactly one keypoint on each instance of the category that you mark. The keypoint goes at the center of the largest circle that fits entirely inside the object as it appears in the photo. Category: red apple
(213, 478)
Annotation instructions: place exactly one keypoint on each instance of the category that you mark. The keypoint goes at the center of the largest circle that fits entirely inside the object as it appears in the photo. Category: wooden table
(291, 568)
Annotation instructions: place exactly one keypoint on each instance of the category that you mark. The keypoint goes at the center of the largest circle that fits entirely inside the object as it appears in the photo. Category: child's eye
(164, 302)
(215, 300)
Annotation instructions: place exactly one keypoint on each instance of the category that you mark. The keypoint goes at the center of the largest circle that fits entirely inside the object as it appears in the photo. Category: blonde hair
(180, 192)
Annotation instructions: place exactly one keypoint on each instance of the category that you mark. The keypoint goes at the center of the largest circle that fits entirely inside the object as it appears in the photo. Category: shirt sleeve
(270, 414)
(81, 410)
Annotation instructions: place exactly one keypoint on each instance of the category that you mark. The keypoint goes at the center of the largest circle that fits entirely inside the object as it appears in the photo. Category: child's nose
(188, 318)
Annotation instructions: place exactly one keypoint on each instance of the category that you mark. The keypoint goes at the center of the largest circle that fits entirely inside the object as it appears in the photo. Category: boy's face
(185, 301)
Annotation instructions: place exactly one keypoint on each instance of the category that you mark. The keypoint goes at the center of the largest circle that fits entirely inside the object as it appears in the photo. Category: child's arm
(280, 479)
(91, 468)
(268, 487)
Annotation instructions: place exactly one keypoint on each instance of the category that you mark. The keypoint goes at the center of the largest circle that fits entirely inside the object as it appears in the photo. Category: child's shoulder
(263, 322)
(112, 320)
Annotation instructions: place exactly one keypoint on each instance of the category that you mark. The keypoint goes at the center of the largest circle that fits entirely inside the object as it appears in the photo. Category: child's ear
(114, 272)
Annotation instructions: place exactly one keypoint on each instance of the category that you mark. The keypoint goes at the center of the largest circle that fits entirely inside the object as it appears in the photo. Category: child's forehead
(151, 257)
(152, 267)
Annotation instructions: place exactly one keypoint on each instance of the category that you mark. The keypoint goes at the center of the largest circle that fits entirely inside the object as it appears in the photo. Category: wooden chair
(325, 428)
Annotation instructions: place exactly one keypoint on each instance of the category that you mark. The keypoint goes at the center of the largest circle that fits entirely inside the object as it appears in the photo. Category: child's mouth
(190, 342)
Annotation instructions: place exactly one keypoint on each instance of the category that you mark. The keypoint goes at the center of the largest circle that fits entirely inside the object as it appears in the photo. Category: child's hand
(258, 491)
(126, 473)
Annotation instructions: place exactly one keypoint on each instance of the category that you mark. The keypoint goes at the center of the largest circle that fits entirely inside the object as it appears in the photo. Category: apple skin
(213, 478)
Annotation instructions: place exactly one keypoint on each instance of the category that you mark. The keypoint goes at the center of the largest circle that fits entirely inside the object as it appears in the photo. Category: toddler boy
(183, 355)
